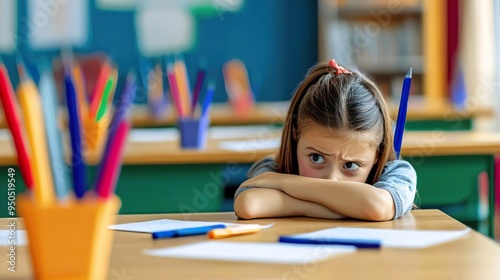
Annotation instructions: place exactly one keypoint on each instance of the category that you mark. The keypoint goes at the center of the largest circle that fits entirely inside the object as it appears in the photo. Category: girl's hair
(344, 102)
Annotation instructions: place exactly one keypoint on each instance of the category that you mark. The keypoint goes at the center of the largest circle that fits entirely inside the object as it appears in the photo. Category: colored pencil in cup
(174, 90)
(111, 161)
(200, 77)
(48, 94)
(31, 107)
(12, 116)
(208, 99)
(77, 160)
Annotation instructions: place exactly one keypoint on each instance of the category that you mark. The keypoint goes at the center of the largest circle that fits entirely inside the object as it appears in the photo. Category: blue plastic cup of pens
(193, 132)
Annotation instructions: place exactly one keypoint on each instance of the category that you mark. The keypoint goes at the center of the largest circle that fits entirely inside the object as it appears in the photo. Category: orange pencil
(233, 231)
(183, 85)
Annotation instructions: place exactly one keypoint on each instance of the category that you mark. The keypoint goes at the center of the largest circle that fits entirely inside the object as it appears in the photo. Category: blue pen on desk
(403, 107)
(186, 231)
(359, 243)
(77, 161)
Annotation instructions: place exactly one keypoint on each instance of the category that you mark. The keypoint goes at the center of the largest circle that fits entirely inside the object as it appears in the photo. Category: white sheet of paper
(151, 135)
(164, 30)
(163, 225)
(391, 237)
(8, 26)
(55, 24)
(252, 252)
(250, 145)
(20, 236)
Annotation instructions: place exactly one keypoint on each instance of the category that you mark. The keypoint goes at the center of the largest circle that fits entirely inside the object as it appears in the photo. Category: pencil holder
(193, 132)
(71, 240)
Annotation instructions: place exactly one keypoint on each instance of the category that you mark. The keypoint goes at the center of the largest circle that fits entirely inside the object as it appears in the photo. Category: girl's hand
(268, 180)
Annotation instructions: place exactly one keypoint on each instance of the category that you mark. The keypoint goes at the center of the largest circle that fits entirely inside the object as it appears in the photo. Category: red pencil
(112, 161)
(97, 95)
(11, 108)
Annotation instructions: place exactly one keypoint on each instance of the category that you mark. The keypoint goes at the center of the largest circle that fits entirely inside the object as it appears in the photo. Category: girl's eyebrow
(360, 160)
(318, 151)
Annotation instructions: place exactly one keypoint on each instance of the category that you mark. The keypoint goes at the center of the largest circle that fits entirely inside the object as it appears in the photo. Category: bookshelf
(383, 38)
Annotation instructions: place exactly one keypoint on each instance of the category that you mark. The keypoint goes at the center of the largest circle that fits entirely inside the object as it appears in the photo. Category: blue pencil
(77, 163)
(403, 108)
(126, 99)
(50, 108)
(208, 99)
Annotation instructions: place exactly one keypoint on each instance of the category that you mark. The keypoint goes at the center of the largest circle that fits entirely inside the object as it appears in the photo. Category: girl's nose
(334, 175)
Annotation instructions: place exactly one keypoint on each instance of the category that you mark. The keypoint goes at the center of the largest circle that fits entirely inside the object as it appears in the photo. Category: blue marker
(403, 107)
(359, 243)
(185, 231)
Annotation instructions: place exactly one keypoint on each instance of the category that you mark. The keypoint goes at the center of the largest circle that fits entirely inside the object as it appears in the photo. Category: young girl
(336, 157)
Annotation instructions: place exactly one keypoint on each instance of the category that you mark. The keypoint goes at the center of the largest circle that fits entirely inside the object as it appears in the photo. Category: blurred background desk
(159, 177)
(421, 116)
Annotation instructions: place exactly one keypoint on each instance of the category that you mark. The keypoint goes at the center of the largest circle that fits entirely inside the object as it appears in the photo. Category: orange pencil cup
(69, 241)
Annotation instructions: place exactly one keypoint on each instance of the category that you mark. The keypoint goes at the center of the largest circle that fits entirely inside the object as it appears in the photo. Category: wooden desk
(471, 257)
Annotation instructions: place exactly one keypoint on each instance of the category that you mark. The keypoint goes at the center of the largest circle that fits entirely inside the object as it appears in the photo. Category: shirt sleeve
(265, 165)
(400, 180)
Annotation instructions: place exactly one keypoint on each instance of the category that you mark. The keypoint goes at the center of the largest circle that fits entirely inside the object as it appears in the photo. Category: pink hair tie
(339, 69)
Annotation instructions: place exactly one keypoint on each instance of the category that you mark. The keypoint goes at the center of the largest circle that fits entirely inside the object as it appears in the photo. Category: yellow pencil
(81, 94)
(30, 104)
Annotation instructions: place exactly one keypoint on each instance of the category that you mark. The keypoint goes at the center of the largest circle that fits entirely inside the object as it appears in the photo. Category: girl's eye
(351, 166)
(317, 159)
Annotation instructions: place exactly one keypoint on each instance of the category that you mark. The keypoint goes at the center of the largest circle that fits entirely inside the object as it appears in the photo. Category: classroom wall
(277, 39)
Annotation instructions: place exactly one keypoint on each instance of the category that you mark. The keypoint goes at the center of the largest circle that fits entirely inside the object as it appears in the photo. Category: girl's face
(322, 154)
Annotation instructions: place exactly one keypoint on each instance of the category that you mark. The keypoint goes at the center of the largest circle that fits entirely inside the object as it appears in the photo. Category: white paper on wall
(164, 30)
(57, 23)
(8, 26)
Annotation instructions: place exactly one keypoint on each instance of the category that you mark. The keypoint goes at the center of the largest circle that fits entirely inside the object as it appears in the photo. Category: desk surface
(160, 146)
(471, 257)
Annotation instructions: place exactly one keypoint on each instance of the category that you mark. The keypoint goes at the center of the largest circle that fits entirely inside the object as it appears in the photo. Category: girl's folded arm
(352, 199)
(267, 203)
